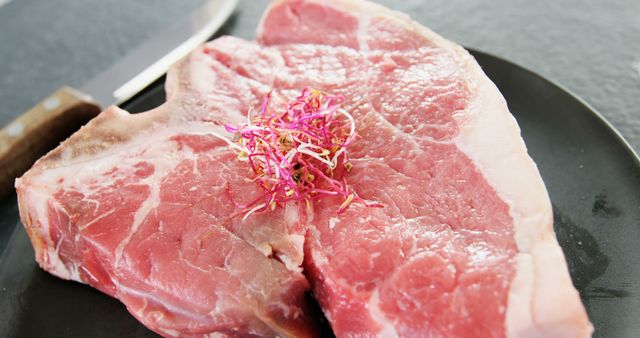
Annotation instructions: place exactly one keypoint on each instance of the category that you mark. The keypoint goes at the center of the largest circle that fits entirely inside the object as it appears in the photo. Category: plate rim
(601, 118)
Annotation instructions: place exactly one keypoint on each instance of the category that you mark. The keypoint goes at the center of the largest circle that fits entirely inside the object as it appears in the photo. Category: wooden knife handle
(39, 130)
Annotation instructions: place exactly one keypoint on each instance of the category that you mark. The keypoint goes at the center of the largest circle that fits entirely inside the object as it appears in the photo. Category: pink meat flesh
(142, 206)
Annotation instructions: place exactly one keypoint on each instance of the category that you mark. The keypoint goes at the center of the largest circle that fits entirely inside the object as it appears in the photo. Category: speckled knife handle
(39, 130)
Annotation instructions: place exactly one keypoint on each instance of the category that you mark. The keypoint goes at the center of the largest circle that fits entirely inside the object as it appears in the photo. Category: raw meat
(139, 206)
(465, 246)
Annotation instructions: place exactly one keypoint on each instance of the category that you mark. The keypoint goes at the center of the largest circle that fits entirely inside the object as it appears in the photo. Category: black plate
(591, 173)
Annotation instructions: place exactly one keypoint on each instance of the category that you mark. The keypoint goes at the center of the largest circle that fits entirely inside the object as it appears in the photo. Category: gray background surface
(591, 48)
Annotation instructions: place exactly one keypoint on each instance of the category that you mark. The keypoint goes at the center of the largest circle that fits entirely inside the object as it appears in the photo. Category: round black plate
(592, 175)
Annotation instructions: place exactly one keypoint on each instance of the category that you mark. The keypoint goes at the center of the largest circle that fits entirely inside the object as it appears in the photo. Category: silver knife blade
(152, 59)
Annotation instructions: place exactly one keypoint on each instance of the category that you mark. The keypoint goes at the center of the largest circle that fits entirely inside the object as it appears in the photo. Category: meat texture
(142, 206)
(464, 246)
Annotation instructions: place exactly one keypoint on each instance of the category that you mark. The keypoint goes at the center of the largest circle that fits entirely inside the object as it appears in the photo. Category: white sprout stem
(227, 140)
(289, 156)
(254, 128)
(352, 122)
(254, 209)
(310, 145)
(304, 150)
(334, 160)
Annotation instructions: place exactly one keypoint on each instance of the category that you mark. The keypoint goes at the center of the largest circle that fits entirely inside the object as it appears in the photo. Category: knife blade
(49, 122)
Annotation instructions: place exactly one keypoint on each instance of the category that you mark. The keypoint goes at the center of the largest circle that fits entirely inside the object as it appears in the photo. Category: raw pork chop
(140, 206)
(464, 246)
